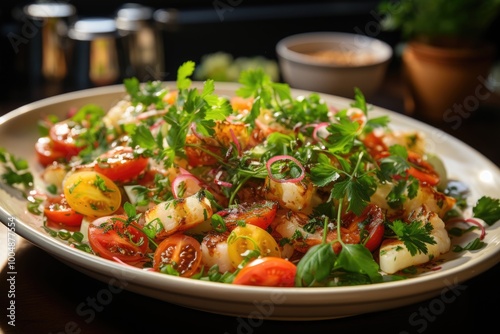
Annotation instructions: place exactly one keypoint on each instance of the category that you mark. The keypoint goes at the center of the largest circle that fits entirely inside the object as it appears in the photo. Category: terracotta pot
(443, 83)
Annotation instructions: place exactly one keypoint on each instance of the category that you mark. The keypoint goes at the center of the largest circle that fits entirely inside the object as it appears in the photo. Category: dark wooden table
(48, 293)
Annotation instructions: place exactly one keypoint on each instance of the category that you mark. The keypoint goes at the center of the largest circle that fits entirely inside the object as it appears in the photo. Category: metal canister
(142, 45)
(48, 55)
(95, 52)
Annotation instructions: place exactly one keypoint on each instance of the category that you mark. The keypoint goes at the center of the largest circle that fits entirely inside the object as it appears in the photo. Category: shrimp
(427, 195)
(298, 197)
(121, 113)
(179, 214)
(394, 255)
(214, 250)
(54, 174)
(295, 226)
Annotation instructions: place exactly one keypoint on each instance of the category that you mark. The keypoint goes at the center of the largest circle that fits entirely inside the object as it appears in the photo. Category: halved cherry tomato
(267, 271)
(419, 167)
(171, 97)
(64, 136)
(250, 237)
(111, 239)
(241, 104)
(371, 221)
(58, 211)
(200, 157)
(181, 251)
(375, 145)
(422, 170)
(260, 213)
(121, 164)
(45, 152)
(91, 193)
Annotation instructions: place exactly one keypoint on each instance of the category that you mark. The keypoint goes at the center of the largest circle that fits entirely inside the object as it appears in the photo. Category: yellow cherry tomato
(91, 193)
(250, 237)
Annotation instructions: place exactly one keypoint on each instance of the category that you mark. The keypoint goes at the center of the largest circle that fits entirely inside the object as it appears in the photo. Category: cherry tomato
(371, 221)
(58, 211)
(260, 213)
(111, 239)
(64, 136)
(422, 170)
(267, 271)
(171, 97)
(91, 193)
(121, 164)
(45, 152)
(197, 156)
(241, 103)
(250, 237)
(419, 167)
(375, 145)
(356, 115)
(181, 251)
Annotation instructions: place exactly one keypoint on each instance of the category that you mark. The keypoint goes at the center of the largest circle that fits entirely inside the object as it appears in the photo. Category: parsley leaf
(16, 170)
(193, 108)
(150, 93)
(359, 101)
(342, 135)
(473, 245)
(323, 172)
(415, 235)
(183, 74)
(396, 164)
(487, 209)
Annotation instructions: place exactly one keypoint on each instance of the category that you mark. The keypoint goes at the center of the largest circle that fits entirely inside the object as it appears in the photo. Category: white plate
(18, 133)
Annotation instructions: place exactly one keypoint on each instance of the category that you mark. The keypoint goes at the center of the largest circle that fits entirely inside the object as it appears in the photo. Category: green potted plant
(447, 55)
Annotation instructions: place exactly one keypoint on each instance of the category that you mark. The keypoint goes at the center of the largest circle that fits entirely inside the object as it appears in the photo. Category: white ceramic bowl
(347, 61)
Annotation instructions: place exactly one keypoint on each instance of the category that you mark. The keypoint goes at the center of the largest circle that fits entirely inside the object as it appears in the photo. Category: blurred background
(182, 30)
(45, 51)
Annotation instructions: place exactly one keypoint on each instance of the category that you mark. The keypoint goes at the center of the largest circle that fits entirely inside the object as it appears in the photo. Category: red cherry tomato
(422, 170)
(197, 156)
(371, 222)
(45, 152)
(419, 167)
(64, 136)
(111, 239)
(180, 251)
(267, 271)
(375, 145)
(121, 164)
(58, 211)
(260, 213)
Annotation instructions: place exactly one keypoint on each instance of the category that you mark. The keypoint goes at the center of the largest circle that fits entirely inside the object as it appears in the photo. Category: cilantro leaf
(415, 235)
(487, 209)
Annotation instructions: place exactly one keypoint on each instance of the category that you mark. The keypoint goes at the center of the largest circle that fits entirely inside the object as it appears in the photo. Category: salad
(261, 188)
